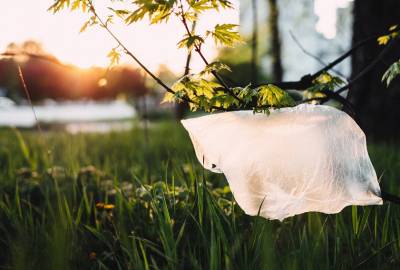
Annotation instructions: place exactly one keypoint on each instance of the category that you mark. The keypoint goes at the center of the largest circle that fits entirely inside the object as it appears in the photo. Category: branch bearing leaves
(122, 13)
(224, 100)
(383, 40)
(325, 81)
(92, 21)
(273, 96)
(79, 4)
(59, 5)
(190, 16)
(225, 34)
(247, 94)
(157, 11)
(202, 5)
(222, 4)
(214, 67)
(62, 4)
(190, 42)
(392, 72)
(197, 89)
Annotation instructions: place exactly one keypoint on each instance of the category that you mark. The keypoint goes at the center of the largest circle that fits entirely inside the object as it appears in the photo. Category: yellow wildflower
(92, 255)
(109, 206)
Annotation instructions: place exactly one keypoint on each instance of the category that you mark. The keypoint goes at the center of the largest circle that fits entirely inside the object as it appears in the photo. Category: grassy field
(113, 201)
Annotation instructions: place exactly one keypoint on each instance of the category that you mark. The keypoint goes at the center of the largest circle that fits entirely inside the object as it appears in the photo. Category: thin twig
(307, 80)
(316, 58)
(28, 96)
(370, 66)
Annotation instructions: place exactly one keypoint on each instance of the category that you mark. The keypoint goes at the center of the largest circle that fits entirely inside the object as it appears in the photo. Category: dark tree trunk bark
(254, 44)
(277, 71)
(377, 107)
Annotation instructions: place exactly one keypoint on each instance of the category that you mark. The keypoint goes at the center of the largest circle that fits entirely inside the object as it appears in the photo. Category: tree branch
(370, 66)
(307, 80)
(316, 58)
(197, 48)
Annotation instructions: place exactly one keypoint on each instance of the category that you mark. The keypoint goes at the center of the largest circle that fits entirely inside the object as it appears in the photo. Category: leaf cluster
(210, 96)
(325, 81)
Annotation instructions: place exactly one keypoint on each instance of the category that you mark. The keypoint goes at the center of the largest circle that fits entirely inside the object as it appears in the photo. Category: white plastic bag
(295, 160)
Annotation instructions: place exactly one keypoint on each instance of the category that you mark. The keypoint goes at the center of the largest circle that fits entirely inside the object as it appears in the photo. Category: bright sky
(22, 20)
(326, 10)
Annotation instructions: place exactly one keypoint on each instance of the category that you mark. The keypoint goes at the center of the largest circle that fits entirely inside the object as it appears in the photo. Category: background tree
(377, 107)
(275, 42)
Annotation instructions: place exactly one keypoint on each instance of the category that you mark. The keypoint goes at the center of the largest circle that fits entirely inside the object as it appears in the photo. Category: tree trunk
(277, 71)
(183, 106)
(254, 44)
(377, 107)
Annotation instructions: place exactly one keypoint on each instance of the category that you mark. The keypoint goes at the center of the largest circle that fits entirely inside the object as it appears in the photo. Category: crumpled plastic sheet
(295, 160)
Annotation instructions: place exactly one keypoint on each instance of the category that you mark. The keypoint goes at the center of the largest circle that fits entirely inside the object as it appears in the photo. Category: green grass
(168, 212)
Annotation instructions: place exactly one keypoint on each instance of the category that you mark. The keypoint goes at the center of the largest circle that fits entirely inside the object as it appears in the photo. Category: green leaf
(391, 73)
(215, 67)
(274, 96)
(247, 94)
(325, 81)
(168, 98)
(157, 11)
(201, 5)
(225, 35)
(190, 42)
(222, 3)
